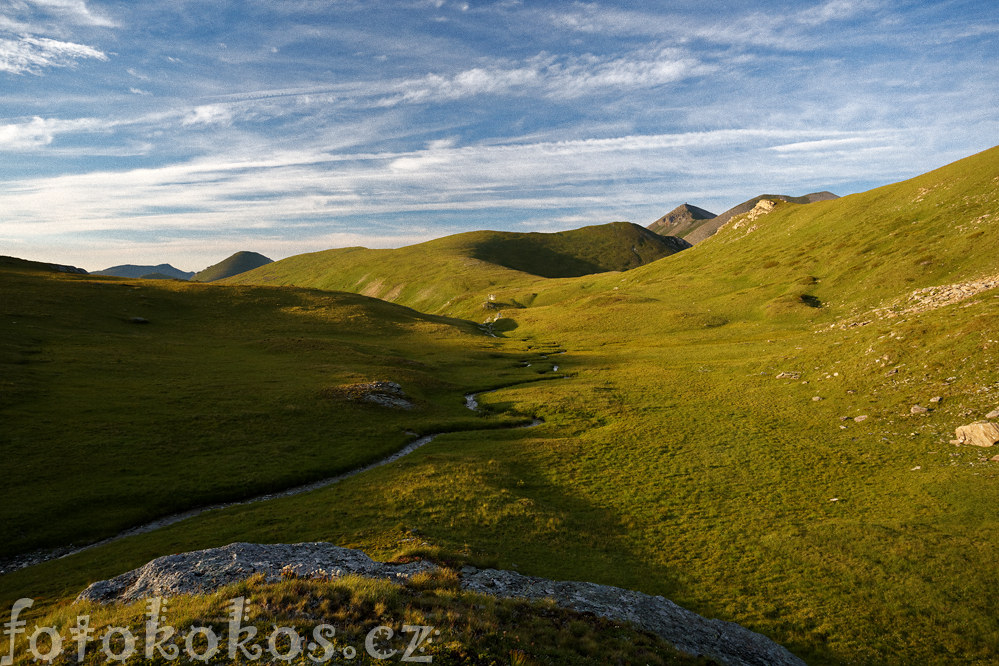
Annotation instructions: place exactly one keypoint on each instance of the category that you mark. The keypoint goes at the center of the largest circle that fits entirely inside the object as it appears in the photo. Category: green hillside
(233, 265)
(455, 274)
(124, 400)
(738, 429)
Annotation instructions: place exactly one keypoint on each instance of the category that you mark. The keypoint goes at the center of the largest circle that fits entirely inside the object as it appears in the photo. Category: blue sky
(182, 131)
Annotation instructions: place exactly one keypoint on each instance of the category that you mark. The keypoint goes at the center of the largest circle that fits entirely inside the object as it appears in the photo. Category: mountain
(134, 271)
(233, 265)
(694, 224)
(680, 221)
(455, 273)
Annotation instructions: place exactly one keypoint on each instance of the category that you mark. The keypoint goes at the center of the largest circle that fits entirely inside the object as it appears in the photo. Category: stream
(30, 559)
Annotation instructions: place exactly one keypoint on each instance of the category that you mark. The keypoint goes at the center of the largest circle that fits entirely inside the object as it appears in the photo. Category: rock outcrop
(981, 433)
(680, 221)
(207, 570)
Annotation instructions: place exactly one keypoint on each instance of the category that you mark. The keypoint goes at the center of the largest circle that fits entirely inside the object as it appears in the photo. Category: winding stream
(31, 559)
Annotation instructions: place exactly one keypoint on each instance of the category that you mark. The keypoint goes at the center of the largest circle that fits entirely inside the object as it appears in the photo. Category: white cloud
(31, 55)
(41, 132)
(553, 77)
(209, 114)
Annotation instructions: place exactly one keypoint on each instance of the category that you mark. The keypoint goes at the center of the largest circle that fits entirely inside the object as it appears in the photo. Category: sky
(147, 132)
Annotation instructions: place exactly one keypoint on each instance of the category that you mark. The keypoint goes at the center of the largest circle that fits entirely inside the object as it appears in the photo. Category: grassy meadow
(706, 444)
(224, 393)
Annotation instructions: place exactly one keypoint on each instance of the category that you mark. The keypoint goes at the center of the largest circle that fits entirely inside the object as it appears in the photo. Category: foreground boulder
(981, 433)
(208, 570)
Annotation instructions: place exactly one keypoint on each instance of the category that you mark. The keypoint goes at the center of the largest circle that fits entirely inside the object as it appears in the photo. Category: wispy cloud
(72, 11)
(31, 55)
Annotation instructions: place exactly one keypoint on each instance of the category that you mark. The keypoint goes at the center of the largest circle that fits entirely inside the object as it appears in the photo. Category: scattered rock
(980, 433)
(994, 414)
(936, 400)
(138, 320)
(207, 570)
(994, 458)
(383, 393)
(917, 409)
(915, 468)
(860, 419)
(816, 398)
(789, 375)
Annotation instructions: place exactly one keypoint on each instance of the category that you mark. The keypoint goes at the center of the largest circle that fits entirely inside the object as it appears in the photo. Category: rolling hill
(235, 264)
(455, 274)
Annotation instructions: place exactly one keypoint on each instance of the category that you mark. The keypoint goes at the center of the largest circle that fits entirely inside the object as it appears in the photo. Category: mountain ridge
(138, 271)
(695, 224)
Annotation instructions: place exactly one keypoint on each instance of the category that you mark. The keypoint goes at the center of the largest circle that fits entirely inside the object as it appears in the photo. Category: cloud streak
(30, 55)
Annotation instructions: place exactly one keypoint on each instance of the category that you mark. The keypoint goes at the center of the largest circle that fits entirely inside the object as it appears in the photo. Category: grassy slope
(453, 275)
(675, 462)
(469, 629)
(108, 423)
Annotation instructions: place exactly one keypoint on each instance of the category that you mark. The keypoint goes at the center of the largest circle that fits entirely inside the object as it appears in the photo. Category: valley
(735, 430)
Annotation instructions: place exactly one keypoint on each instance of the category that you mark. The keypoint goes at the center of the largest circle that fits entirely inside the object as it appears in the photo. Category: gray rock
(725, 642)
(918, 409)
(994, 414)
(207, 570)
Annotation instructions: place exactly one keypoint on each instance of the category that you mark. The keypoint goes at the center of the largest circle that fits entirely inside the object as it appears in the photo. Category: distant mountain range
(161, 271)
(694, 224)
(233, 265)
